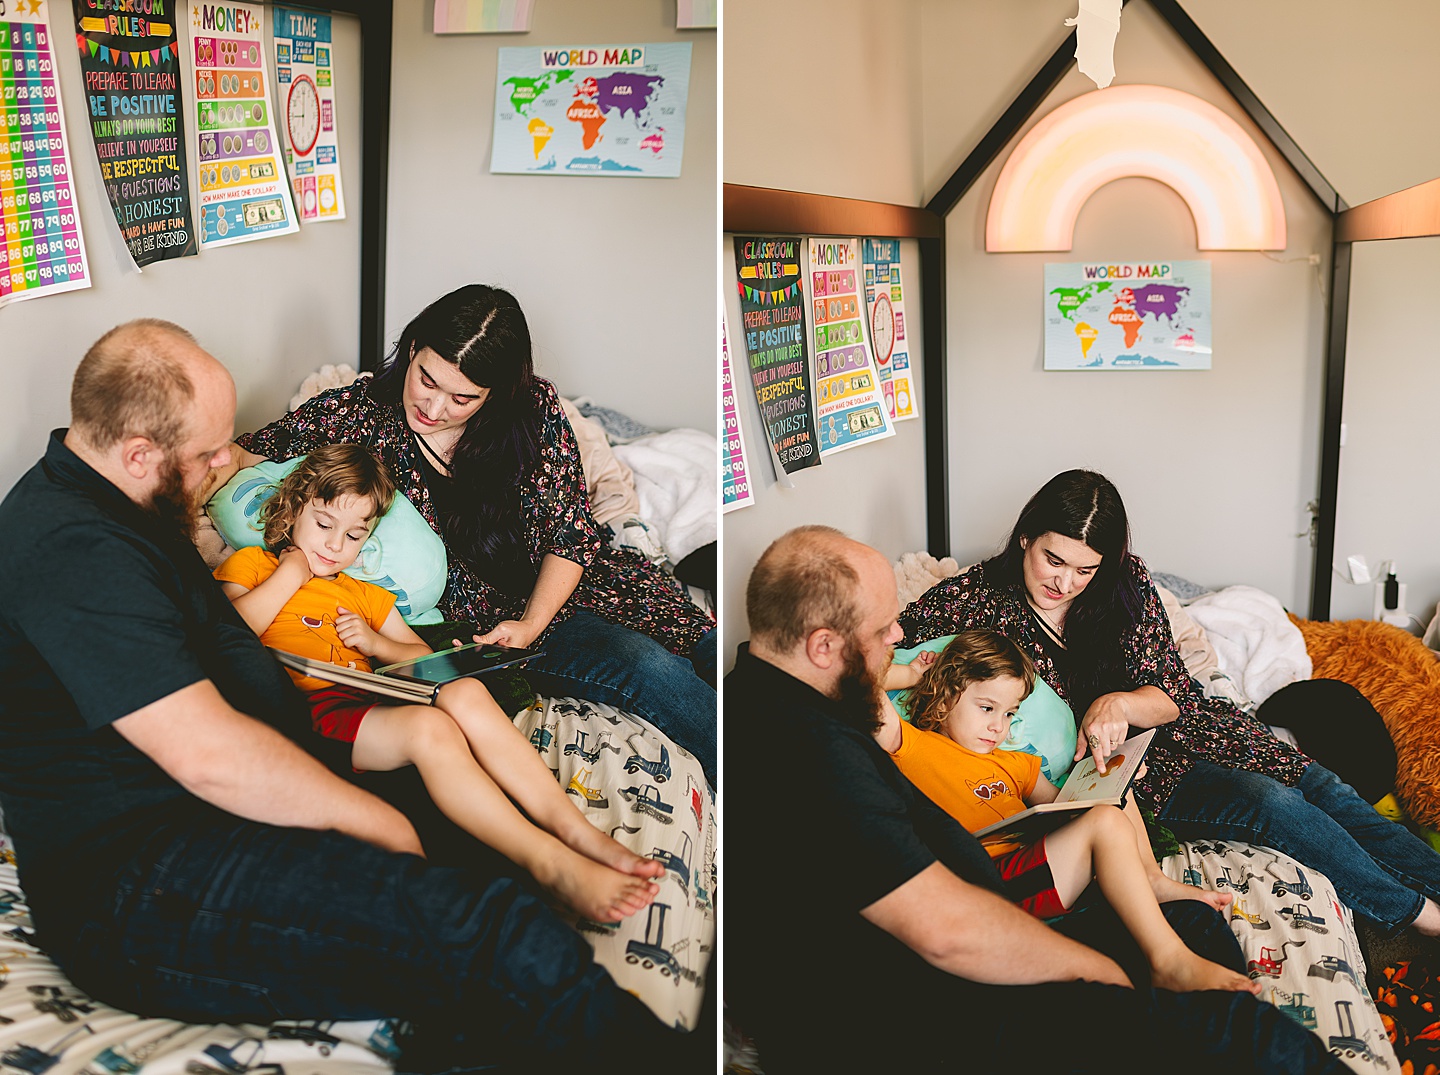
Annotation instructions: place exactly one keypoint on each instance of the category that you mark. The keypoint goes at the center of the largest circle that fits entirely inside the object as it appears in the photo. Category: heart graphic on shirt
(988, 791)
(983, 791)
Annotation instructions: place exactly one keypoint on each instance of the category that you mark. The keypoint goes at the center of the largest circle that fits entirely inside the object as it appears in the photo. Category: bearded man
(865, 929)
(183, 856)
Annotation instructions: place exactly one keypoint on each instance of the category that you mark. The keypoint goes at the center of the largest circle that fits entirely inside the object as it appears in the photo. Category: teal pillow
(403, 555)
(1044, 726)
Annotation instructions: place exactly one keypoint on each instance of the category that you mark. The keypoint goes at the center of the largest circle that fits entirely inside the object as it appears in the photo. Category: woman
(481, 447)
(1068, 591)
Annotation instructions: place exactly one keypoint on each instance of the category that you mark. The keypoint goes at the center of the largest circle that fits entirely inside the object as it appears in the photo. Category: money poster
(42, 251)
(849, 405)
(305, 74)
(243, 191)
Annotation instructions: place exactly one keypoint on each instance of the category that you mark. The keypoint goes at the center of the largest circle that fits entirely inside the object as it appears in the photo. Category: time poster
(772, 311)
(885, 299)
(305, 75)
(131, 65)
(243, 192)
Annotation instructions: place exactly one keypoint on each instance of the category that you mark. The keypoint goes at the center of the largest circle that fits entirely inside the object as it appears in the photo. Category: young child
(472, 758)
(961, 707)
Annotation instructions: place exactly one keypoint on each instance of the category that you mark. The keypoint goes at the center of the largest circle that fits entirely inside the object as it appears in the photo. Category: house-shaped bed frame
(1410, 213)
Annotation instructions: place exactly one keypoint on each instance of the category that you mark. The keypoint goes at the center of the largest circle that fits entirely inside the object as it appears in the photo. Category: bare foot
(1167, 891)
(590, 889)
(1187, 972)
(585, 839)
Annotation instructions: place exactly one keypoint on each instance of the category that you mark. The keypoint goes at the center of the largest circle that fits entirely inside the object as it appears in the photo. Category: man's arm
(246, 768)
(976, 934)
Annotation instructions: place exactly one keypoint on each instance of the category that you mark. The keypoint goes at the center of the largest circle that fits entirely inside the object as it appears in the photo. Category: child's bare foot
(585, 839)
(1187, 972)
(1167, 890)
(593, 890)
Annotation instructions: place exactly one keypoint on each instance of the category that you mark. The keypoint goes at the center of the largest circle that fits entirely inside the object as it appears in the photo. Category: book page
(1086, 782)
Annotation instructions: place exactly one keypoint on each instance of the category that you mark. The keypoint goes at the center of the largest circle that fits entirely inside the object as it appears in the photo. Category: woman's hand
(516, 634)
(1106, 725)
(355, 632)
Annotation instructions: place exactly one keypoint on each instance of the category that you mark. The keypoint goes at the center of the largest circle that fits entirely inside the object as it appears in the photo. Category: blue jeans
(1379, 868)
(586, 657)
(234, 921)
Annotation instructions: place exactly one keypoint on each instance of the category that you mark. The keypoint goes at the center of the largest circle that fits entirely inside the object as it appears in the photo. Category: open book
(1084, 788)
(417, 680)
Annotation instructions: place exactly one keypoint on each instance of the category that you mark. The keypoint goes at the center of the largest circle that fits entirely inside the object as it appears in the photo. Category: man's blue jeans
(586, 657)
(235, 921)
(1379, 868)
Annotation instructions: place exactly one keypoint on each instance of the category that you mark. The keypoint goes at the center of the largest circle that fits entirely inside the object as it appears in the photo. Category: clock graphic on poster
(302, 115)
(882, 327)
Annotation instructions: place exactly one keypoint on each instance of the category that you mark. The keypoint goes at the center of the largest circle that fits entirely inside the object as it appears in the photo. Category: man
(864, 928)
(182, 855)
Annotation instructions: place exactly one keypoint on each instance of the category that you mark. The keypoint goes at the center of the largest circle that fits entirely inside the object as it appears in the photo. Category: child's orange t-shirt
(975, 789)
(306, 625)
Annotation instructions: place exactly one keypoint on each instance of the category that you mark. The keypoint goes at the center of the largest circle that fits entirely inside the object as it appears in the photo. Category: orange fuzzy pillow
(1401, 678)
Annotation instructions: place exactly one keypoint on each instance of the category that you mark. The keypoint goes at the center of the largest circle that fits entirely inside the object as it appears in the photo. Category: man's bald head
(140, 379)
(807, 579)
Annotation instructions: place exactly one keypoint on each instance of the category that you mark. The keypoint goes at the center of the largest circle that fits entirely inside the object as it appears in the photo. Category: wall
(874, 492)
(616, 275)
(1181, 446)
(260, 307)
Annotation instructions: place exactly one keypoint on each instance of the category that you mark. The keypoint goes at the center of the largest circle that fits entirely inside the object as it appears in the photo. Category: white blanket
(676, 474)
(1255, 641)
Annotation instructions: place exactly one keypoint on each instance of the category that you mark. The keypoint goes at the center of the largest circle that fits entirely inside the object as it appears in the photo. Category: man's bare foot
(1186, 972)
(585, 839)
(591, 889)
(1167, 891)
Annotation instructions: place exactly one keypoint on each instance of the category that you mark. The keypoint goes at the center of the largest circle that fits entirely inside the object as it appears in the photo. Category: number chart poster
(849, 404)
(307, 99)
(42, 251)
(885, 297)
(1137, 316)
(612, 110)
(131, 65)
(243, 191)
(736, 490)
(772, 310)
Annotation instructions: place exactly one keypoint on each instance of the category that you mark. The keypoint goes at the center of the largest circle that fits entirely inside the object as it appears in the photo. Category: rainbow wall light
(1153, 132)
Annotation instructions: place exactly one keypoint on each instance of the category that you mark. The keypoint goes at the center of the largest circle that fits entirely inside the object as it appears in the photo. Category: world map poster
(1129, 316)
(615, 110)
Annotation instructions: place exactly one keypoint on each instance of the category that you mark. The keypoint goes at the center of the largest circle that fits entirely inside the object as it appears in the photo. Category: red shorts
(1029, 882)
(336, 712)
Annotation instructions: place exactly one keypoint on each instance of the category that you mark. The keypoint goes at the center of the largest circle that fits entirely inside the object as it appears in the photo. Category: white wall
(616, 275)
(1215, 466)
(864, 146)
(272, 310)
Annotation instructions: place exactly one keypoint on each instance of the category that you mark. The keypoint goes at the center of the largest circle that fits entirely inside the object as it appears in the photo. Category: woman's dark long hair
(1086, 507)
(481, 330)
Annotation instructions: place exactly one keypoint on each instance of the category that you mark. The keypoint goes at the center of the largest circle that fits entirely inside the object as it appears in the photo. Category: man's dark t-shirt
(819, 826)
(103, 610)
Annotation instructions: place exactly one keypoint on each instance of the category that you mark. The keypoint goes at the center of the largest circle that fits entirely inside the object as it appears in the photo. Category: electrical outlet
(1359, 569)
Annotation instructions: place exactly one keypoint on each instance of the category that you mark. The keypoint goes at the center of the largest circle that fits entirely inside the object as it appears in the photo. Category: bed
(628, 778)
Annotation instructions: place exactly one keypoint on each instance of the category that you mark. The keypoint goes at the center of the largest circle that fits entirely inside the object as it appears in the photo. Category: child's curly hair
(326, 474)
(973, 657)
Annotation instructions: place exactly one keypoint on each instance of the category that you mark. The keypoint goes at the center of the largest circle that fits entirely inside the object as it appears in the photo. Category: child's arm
(888, 734)
(1044, 792)
(900, 677)
(259, 606)
(395, 641)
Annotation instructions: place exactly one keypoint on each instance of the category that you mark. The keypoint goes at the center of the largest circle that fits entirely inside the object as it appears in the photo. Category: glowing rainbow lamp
(1148, 131)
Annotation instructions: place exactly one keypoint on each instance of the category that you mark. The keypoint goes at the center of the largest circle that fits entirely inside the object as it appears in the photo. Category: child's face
(980, 718)
(331, 532)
